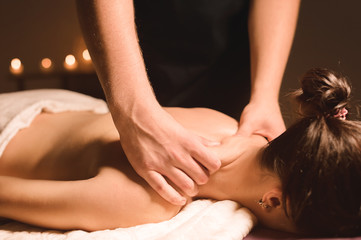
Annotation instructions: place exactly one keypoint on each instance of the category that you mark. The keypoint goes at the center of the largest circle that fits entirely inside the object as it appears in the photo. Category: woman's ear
(271, 213)
(272, 199)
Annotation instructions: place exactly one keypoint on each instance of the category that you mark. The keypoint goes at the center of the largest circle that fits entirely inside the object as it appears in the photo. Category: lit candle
(46, 64)
(70, 62)
(16, 67)
(87, 65)
(86, 55)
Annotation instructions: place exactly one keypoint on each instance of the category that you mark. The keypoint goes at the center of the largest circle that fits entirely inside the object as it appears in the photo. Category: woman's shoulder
(205, 122)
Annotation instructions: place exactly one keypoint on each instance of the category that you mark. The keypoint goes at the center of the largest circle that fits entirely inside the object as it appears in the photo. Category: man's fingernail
(183, 201)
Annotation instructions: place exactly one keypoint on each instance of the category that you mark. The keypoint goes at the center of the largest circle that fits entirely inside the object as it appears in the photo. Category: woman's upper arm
(109, 200)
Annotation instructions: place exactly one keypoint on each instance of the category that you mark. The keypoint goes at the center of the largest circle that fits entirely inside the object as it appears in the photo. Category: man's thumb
(243, 130)
(209, 143)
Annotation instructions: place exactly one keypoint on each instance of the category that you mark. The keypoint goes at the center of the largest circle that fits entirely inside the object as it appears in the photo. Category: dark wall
(32, 30)
(328, 35)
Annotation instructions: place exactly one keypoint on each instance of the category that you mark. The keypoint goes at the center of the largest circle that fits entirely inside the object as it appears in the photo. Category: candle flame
(70, 60)
(15, 64)
(86, 55)
(16, 67)
(46, 63)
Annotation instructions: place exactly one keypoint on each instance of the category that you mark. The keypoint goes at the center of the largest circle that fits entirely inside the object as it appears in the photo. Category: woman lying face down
(72, 174)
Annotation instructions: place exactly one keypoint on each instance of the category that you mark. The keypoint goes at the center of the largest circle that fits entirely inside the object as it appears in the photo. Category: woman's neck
(240, 177)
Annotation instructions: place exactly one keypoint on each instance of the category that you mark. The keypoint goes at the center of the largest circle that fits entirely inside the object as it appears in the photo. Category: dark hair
(318, 159)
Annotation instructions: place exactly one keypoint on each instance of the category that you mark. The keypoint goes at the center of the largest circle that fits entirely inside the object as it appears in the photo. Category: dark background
(328, 35)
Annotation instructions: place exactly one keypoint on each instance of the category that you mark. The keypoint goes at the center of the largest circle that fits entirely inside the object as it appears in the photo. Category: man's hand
(271, 28)
(160, 149)
(262, 118)
(167, 156)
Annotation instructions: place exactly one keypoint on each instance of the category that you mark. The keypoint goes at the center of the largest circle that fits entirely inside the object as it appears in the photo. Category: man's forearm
(272, 24)
(110, 33)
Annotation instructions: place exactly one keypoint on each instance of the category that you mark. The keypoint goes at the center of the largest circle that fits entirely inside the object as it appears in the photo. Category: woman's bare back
(85, 146)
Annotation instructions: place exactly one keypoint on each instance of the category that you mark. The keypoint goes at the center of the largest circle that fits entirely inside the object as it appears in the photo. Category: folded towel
(18, 109)
(201, 219)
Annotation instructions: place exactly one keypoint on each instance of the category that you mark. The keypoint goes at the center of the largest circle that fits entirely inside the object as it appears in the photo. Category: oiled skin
(96, 187)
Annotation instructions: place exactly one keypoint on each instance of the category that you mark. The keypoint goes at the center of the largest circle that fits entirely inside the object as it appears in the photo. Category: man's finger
(162, 187)
(183, 181)
(193, 169)
(205, 157)
(209, 143)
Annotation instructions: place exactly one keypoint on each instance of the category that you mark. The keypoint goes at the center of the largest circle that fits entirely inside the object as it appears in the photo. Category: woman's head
(318, 159)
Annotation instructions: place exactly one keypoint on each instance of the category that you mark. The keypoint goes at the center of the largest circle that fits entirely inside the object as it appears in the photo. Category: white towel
(202, 219)
(18, 109)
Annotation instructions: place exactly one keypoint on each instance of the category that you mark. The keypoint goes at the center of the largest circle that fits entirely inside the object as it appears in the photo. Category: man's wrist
(262, 98)
(135, 111)
(265, 88)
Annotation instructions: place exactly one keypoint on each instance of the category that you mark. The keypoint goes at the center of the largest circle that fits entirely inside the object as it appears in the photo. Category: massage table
(201, 219)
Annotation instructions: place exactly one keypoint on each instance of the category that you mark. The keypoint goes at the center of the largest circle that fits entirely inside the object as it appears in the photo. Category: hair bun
(323, 92)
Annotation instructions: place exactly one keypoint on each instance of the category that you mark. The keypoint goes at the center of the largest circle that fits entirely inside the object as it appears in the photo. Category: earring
(263, 204)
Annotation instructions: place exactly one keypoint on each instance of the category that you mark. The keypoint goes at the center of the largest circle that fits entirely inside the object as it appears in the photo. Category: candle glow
(46, 64)
(16, 67)
(70, 62)
(86, 55)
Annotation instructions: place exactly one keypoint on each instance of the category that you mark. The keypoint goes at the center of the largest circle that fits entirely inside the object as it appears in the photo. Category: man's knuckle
(178, 155)
(187, 185)
(150, 165)
(159, 188)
